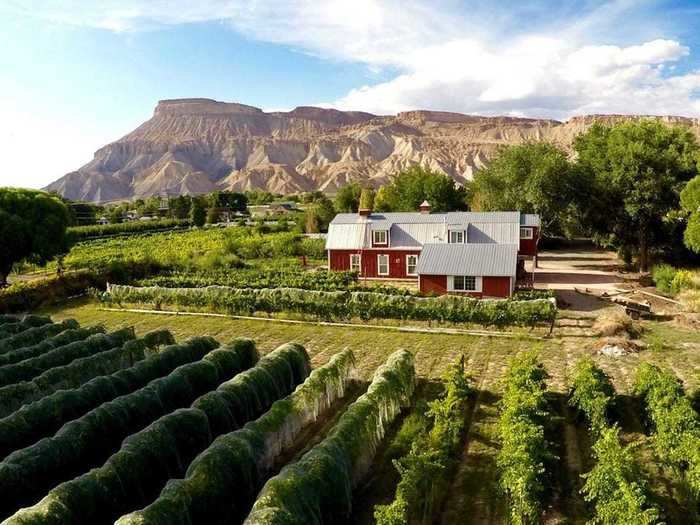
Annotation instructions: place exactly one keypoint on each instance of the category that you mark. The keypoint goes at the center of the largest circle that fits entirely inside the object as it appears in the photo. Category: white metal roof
(530, 219)
(468, 259)
(413, 230)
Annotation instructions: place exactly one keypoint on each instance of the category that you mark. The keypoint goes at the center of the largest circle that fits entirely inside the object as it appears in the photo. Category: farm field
(473, 489)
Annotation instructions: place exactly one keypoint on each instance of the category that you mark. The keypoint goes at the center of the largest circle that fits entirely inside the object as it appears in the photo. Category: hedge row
(221, 483)
(27, 474)
(424, 471)
(79, 371)
(524, 450)
(30, 368)
(318, 488)
(81, 233)
(615, 484)
(341, 304)
(676, 425)
(36, 335)
(62, 339)
(592, 393)
(134, 475)
(44, 417)
(21, 324)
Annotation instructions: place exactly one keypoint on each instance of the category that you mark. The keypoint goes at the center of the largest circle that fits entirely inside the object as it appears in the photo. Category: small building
(475, 253)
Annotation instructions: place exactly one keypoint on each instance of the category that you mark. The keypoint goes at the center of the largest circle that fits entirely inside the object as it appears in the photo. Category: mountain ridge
(197, 145)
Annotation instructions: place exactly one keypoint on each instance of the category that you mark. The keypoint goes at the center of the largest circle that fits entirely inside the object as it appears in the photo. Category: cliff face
(200, 145)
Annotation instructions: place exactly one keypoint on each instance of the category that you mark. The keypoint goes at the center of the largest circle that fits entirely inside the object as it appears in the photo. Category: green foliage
(663, 275)
(318, 488)
(347, 200)
(318, 215)
(89, 440)
(367, 199)
(676, 426)
(81, 233)
(32, 227)
(692, 232)
(133, 476)
(44, 417)
(33, 336)
(198, 213)
(221, 483)
(524, 450)
(341, 304)
(532, 178)
(424, 469)
(29, 368)
(635, 170)
(409, 188)
(615, 485)
(293, 277)
(592, 394)
(72, 334)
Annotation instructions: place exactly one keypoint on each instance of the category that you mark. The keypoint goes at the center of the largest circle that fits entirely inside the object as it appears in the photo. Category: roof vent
(424, 207)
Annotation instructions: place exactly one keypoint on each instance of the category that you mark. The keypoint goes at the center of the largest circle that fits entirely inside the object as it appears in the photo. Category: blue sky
(77, 74)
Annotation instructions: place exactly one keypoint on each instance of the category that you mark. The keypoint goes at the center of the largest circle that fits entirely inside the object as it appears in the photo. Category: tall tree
(690, 201)
(532, 178)
(347, 200)
(637, 170)
(412, 186)
(32, 227)
(367, 199)
(198, 213)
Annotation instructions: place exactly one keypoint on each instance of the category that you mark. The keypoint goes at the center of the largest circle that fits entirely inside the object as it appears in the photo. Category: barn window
(411, 263)
(456, 236)
(526, 233)
(355, 262)
(379, 237)
(382, 264)
(464, 283)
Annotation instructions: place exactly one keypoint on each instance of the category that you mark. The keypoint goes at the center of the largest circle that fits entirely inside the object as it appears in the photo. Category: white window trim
(386, 237)
(415, 266)
(529, 232)
(359, 262)
(380, 255)
(449, 236)
(478, 284)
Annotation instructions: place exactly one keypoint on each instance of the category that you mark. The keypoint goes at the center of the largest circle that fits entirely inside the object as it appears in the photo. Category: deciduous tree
(637, 170)
(414, 185)
(32, 227)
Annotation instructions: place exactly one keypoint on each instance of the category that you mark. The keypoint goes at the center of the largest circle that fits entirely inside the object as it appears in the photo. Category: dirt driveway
(583, 268)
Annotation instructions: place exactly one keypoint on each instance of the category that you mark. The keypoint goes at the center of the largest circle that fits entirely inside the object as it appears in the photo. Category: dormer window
(379, 237)
(526, 233)
(456, 237)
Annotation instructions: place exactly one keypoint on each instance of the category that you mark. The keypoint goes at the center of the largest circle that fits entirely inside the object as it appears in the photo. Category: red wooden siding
(529, 246)
(490, 286)
(340, 260)
(495, 286)
(433, 284)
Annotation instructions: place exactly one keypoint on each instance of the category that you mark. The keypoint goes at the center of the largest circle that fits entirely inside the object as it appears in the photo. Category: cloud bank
(539, 59)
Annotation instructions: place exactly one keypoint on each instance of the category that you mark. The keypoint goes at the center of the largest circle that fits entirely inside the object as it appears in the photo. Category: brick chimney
(424, 208)
(364, 212)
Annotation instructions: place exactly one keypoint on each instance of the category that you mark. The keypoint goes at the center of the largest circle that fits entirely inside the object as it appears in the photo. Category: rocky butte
(200, 145)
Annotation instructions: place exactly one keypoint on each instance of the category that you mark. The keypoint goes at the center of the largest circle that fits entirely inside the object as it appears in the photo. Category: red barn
(475, 253)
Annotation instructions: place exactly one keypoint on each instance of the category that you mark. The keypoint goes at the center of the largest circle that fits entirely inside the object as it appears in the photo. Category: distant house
(475, 253)
(265, 210)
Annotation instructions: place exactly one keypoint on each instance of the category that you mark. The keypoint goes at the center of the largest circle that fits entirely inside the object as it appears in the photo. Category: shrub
(524, 450)
(318, 487)
(424, 469)
(592, 393)
(221, 483)
(88, 441)
(342, 305)
(663, 275)
(685, 280)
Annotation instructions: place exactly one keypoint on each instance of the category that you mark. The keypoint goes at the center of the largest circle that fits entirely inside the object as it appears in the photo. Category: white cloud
(526, 58)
